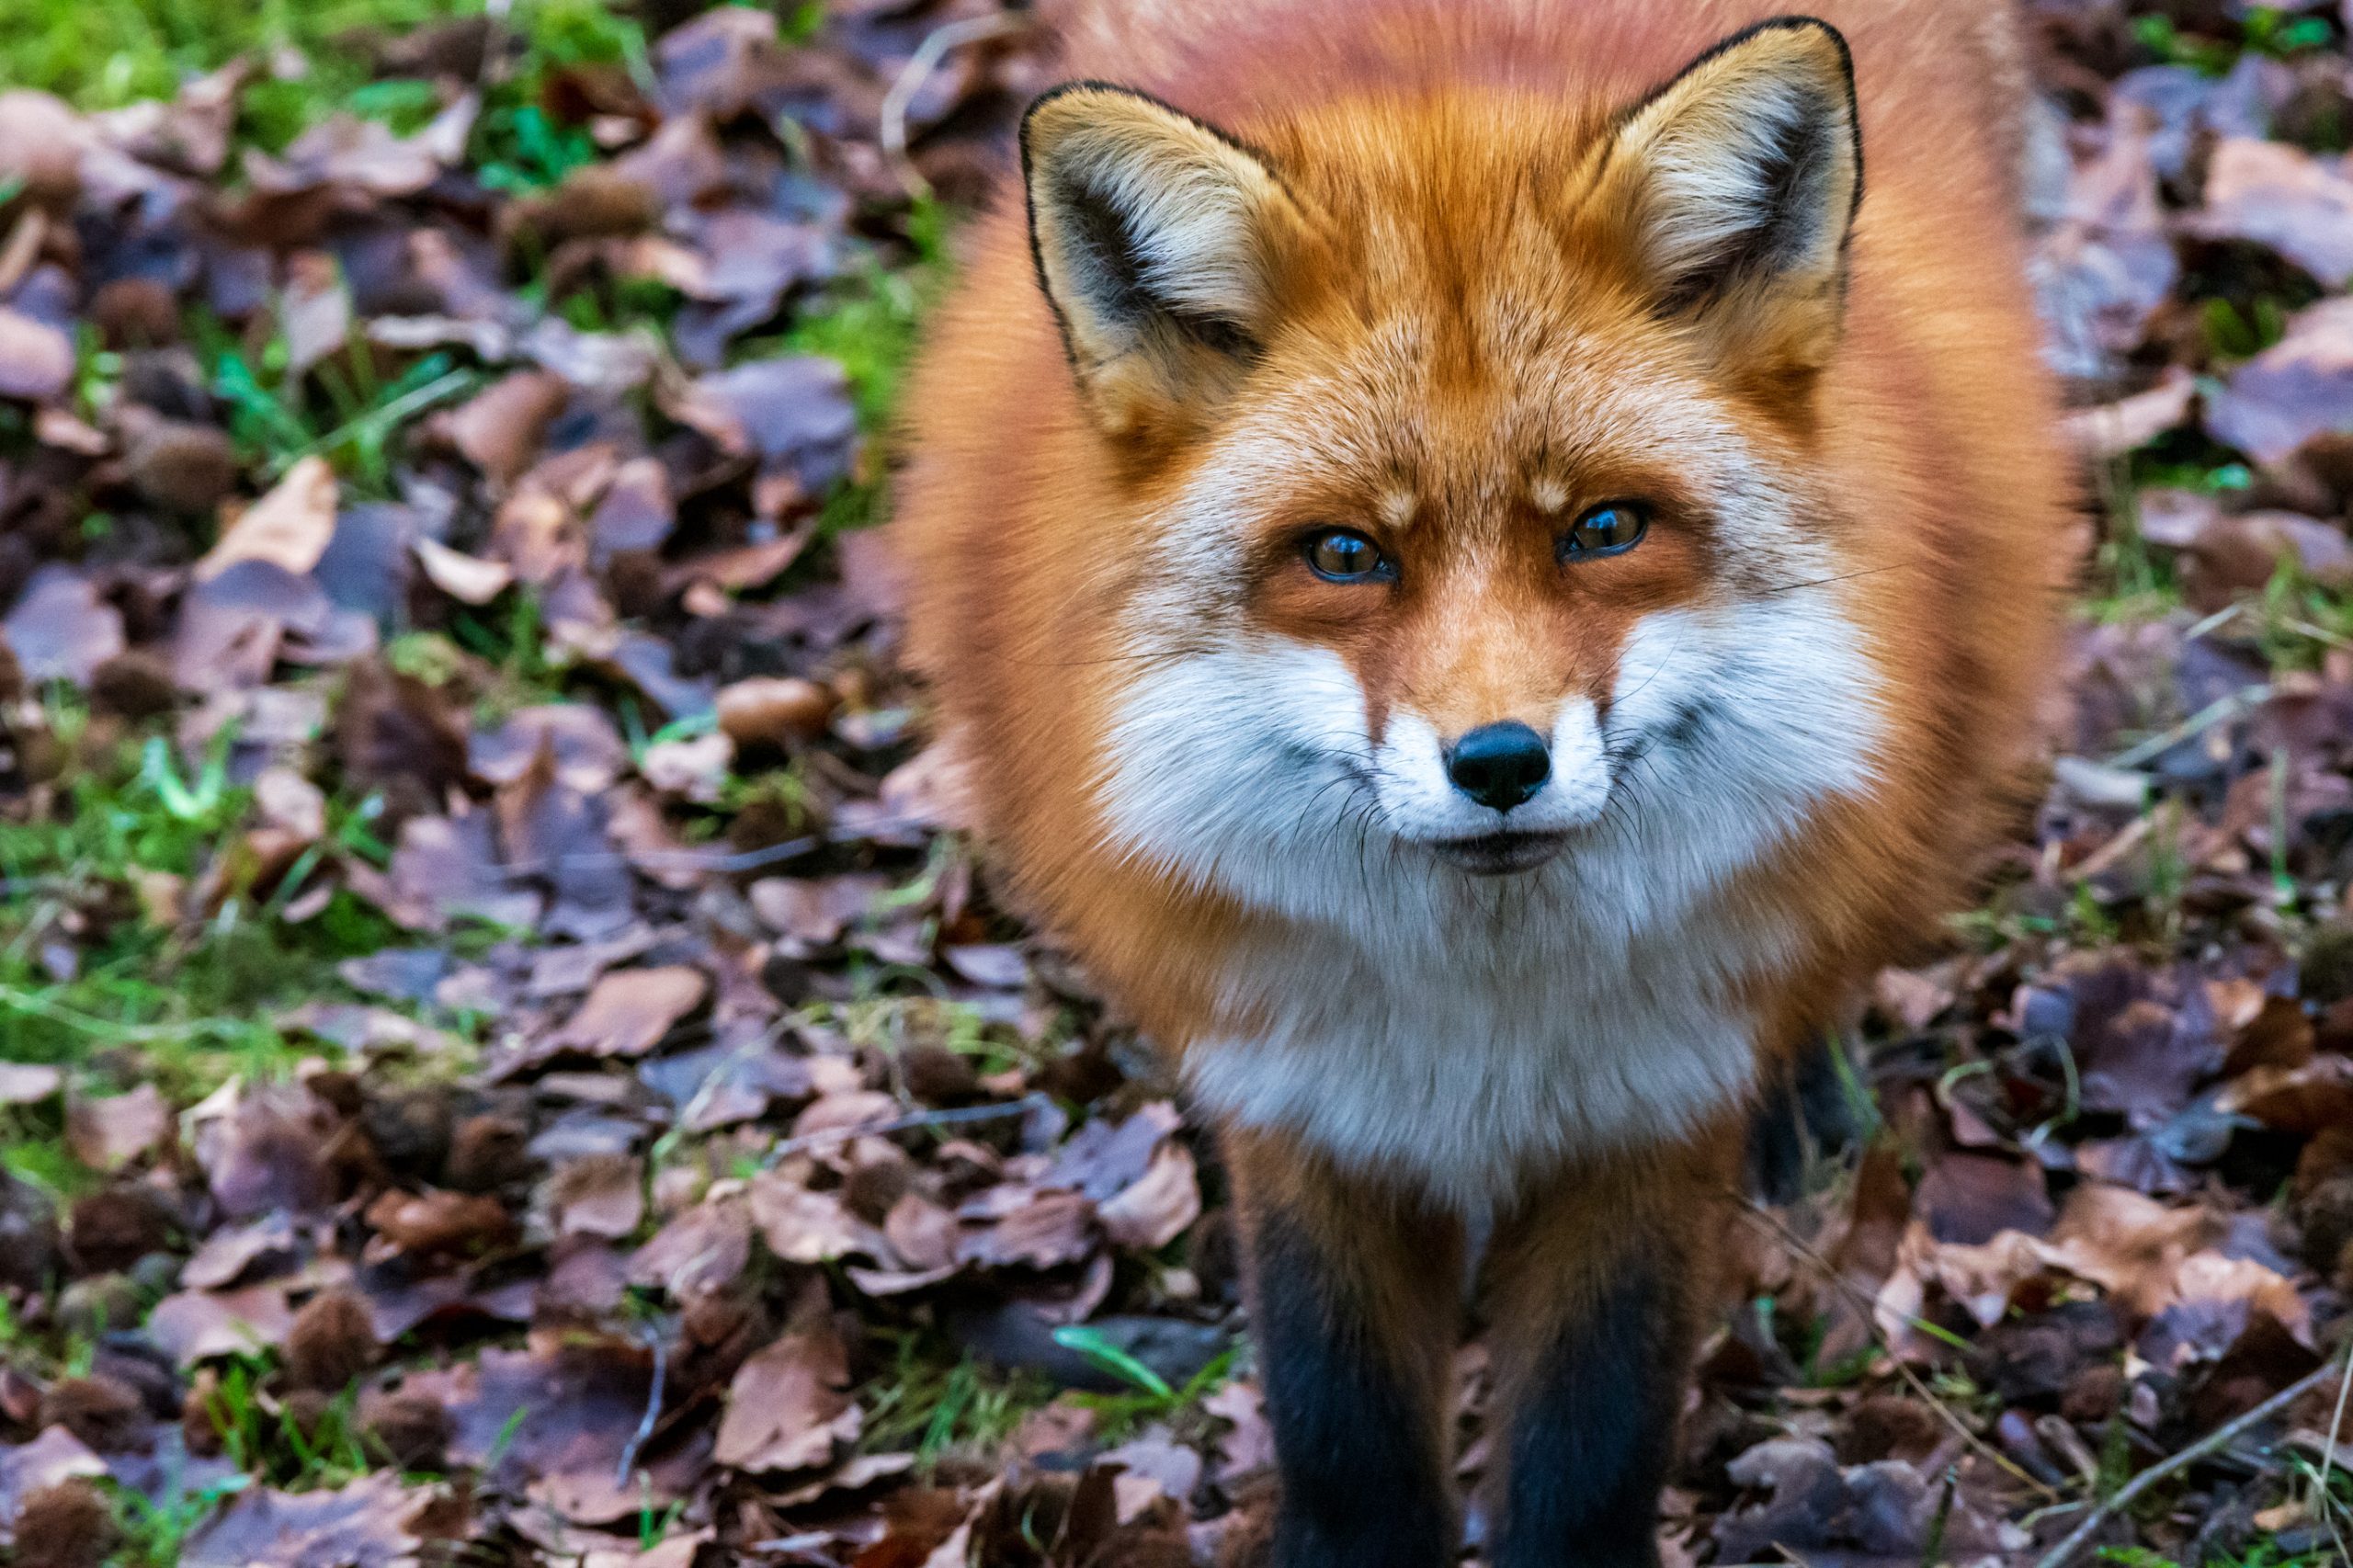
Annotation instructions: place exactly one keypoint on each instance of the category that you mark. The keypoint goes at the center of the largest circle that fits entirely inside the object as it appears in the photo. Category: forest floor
(504, 1057)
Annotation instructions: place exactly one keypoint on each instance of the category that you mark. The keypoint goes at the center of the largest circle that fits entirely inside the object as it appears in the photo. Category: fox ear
(1742, 177)
(1154, 236)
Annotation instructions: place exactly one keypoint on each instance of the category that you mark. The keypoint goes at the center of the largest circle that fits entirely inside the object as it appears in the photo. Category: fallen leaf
(372, 1523)
(2299, 389)
(2281, 196)
(469, 579)
(61, 629)
(53, 1456)
(1158, 1207)
(36, 358)
(26, 1083)
(598, 1196)
(789, 1408)
(196, 1326)
(111, 1132)
(631, 1010)
(288, 528)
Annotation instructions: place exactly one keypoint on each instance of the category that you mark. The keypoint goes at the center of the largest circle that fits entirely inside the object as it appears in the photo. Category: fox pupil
(1606, 531)
(1344, 557)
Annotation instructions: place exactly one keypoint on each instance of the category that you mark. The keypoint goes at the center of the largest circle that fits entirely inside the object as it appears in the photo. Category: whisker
(1824, 582)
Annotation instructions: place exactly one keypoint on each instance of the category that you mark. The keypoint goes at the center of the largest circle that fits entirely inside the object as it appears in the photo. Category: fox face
(1486, 533)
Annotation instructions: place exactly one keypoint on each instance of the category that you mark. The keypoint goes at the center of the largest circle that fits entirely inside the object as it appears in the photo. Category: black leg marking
(1594, 1436)
(1362, 1481)
(1806, 1100)
(1775, 1143)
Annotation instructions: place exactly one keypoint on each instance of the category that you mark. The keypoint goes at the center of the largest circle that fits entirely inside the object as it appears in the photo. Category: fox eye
(1343, 555)
(1610, 529)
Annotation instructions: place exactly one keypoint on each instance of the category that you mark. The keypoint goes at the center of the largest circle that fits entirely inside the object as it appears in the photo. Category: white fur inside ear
(1183, 203)
(1750, 158)
(1147, 220)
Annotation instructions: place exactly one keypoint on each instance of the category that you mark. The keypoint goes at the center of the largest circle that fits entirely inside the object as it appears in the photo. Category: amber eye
(1346, 556)
(1609, 529)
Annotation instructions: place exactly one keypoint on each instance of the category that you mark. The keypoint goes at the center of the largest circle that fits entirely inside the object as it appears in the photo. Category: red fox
(1490, 561)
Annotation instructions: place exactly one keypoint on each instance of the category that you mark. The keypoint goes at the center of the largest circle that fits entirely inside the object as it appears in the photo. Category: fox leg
(1593, 1288)
(1355, 1295)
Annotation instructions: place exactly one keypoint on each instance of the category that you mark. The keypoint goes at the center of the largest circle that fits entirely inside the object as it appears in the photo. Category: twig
(917, 70)
(2219, 1438)
(2221, 710)
(1869, 1309)
(2336, 1426)
(645, 1433)
(834, 1135)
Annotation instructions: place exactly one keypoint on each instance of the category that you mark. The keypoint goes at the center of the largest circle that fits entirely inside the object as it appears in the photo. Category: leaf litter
(427, 562)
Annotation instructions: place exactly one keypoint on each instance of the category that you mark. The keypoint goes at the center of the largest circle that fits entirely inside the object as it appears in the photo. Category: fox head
(1475, 437)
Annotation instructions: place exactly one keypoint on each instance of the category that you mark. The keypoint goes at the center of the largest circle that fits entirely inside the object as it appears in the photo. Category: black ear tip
(1830, 34)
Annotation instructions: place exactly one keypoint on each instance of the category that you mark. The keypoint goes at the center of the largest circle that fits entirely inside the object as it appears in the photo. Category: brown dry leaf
(26, 1082)
(1159, 1206)
(1248, 1443)
(448, 867)
(557, 835)
(810, 911)
(36, 358)
(61, 629)
(230, 1251)
(802, 1226)
(693, 769)
(315, 310)
(2111, 430)
(1971, 1197)
(2241, 553)
(636, 514)
(111, 1132)
(2209, 1278)
(500, 428)
(54, 1456)
(599, 1195)
(289, 527)
(469, 579)
(440, 1223)
(2309, 1100)
(291, 803)
(793, 414)
(195, 1325)
(631, 1010)
(555, 1419)
(2284, 197)
(2299, 389)
(41, 145)
(372, 1523)
(1050, 1230)
(590, 753)
(1106, 1156)
(703, 1250)
(790, 1407)
(263, 1147)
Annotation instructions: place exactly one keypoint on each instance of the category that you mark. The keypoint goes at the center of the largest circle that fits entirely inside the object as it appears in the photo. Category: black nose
(1499, 765)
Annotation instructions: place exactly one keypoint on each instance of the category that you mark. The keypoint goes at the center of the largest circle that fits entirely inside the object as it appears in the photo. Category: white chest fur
(1457, 1031)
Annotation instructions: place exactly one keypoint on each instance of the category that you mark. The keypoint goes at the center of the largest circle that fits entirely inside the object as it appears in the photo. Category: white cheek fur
(1463, 1031)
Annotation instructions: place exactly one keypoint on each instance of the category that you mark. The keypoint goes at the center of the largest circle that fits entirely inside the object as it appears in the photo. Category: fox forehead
(1377, 405)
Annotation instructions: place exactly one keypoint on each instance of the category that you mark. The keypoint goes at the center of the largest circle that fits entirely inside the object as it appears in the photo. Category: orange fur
(1928, 442)
(1449, 298)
